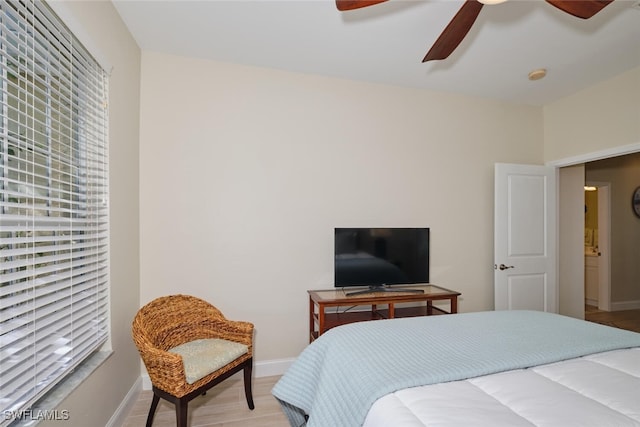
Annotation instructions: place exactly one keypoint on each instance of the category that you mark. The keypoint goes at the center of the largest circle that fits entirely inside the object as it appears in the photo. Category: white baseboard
(119, 416)
(267, 368)
(625, 305)
(146, 382)
(592, 302)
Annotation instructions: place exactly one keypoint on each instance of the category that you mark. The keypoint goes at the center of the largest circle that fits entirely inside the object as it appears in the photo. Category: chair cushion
(201, 357)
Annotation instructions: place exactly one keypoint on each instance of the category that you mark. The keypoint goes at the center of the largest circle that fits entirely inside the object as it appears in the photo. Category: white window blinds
(53, 203)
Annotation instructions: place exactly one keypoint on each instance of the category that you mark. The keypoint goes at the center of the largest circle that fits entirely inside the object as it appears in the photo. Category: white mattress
(598, 390)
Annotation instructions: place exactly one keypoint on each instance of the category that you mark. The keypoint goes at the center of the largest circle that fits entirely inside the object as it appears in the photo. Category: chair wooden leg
(247, 384)
(152, 410)
(181, 412)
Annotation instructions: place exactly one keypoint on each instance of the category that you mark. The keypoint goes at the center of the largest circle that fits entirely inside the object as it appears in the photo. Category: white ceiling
(385, 43)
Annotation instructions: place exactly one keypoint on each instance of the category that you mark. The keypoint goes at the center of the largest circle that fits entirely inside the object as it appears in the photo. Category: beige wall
(99, 26)
(602, 117)
(246, 171)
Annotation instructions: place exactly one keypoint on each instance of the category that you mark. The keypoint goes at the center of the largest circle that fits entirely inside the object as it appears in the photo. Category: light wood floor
(225, 404)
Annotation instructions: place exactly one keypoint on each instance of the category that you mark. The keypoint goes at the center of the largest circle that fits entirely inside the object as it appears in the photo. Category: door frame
(582, 159)
(604, 244)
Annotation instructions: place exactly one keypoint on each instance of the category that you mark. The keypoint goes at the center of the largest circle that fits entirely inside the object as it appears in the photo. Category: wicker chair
(172, 321)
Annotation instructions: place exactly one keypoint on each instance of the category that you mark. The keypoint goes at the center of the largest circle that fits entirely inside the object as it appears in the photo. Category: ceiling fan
(466, 16)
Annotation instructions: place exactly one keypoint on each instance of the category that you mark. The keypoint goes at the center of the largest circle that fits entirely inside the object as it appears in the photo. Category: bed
(503, 368)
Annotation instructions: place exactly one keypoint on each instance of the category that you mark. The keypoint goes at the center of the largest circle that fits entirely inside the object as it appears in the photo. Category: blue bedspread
(337, 378)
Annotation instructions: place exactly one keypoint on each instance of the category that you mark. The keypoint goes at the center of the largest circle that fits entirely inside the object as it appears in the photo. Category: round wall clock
(635, 202)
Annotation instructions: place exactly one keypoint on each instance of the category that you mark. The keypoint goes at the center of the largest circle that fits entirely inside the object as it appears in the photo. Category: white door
(525, 238)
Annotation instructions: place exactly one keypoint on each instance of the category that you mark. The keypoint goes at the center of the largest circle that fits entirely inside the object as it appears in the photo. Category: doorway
(573, 173)
(597, 245)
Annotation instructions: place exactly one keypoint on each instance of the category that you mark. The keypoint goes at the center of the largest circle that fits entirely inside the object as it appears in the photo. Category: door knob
(504, 267)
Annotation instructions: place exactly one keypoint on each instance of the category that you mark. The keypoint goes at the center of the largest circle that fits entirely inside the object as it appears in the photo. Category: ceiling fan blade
(584, 9)
(356, 4)
(455, 31)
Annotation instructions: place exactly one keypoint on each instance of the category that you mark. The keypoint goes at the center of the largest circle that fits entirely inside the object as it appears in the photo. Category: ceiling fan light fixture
(537, 74)
(492, 1)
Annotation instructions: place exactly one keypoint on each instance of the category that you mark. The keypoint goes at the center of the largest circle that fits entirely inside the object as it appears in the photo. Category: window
(54, 281)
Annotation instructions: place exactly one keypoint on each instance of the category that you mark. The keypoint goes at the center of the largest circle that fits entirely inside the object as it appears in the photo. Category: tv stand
(320, 321)
(384, 288)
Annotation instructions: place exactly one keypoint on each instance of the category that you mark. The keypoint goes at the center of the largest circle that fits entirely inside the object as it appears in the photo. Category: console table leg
(321, 309)
(311, 320)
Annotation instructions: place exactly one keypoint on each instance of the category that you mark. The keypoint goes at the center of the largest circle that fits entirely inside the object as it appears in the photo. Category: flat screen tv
(381, 258)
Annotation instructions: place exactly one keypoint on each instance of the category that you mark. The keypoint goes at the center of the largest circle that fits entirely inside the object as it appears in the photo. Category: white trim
(274, 367)
(596, 155)
(268, 368)
(120, 415)
(146, 382)
(592, 302)
(625, 305)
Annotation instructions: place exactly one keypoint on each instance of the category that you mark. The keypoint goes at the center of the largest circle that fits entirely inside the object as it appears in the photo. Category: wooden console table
(320, 321)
